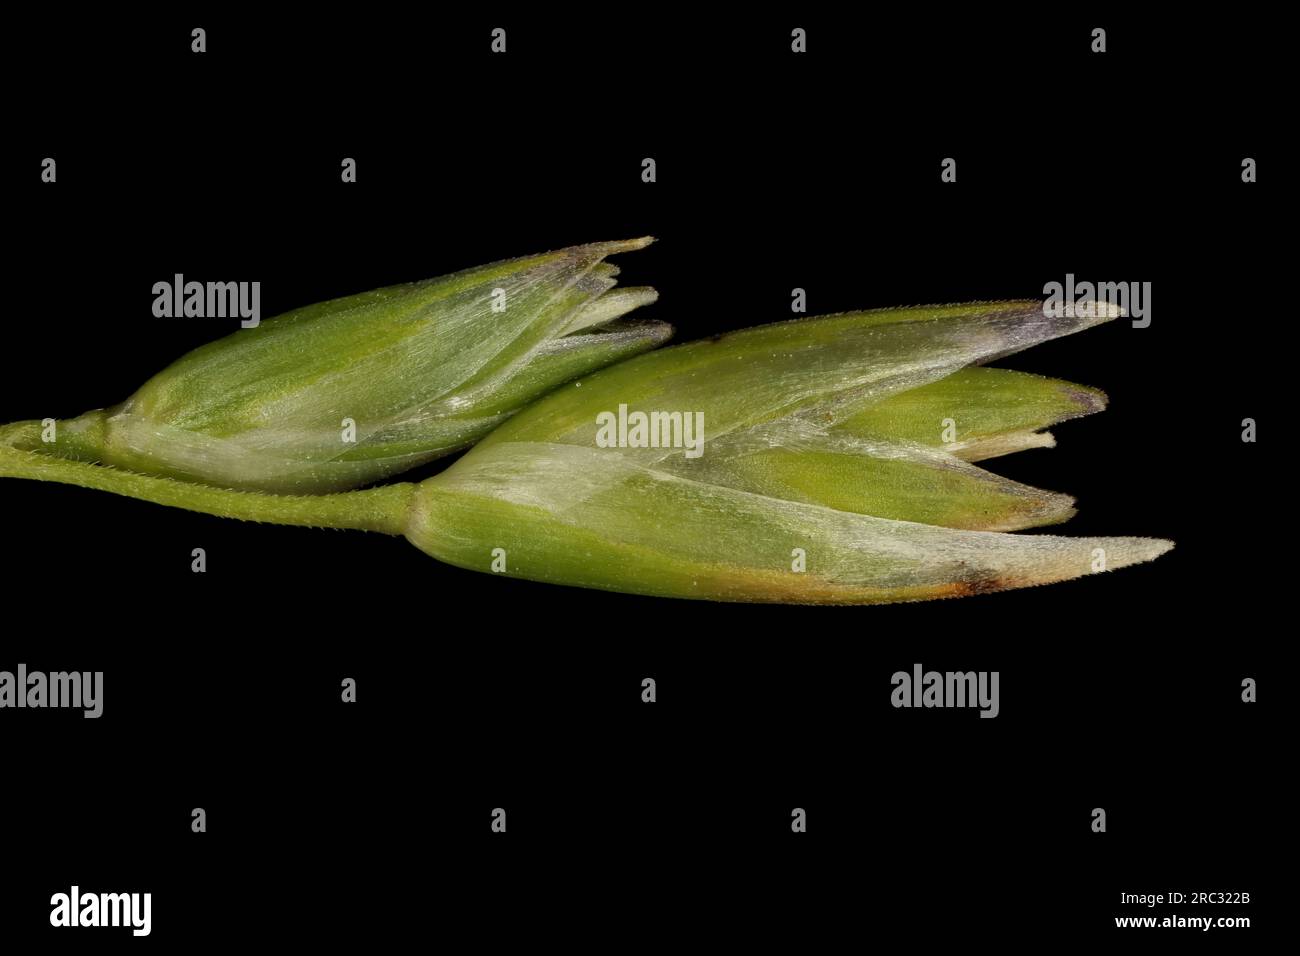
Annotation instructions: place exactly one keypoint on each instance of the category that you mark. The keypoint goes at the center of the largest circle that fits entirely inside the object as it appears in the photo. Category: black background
(366, 823)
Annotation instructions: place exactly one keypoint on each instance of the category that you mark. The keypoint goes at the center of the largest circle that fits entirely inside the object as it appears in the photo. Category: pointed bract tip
(610, 306)
(1123, 552)
(1099, 309)
(657, 332)
(669, 330)
(1160, 546)
(617, 246)
(1089, 400)
(642, 295)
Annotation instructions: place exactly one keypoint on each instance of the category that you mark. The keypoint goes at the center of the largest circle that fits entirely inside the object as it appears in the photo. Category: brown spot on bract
(979, 586)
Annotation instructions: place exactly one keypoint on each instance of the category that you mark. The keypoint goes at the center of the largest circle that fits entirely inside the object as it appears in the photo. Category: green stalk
(382, 509)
